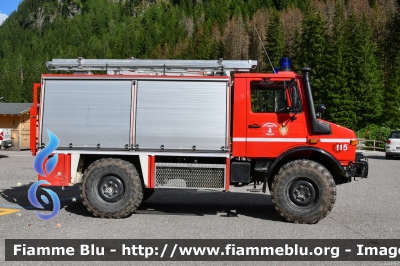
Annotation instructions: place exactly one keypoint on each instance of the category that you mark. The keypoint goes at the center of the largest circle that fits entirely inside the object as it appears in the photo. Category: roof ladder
(132, 66)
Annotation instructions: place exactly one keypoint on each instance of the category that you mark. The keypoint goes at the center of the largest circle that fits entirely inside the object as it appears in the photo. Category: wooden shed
(15, 116)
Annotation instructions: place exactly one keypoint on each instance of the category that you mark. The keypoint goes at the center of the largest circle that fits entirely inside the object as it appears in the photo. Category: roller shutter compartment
(181, 114)
(88, 112)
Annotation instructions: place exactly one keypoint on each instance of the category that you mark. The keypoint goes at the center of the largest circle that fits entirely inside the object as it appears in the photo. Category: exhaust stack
(317, 127)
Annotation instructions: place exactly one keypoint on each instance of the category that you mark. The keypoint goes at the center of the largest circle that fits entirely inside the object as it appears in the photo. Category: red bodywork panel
(61, 175)
(151, 171)
(34, 120)
(239, 116)
(338, 144)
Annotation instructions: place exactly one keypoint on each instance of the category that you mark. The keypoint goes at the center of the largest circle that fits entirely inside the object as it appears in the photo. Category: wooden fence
(362, 144)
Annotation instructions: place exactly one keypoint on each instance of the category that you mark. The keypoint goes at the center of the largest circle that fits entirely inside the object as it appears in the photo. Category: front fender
(324, 155)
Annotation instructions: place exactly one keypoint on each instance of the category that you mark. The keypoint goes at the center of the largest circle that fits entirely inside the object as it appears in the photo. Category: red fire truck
(128, 127)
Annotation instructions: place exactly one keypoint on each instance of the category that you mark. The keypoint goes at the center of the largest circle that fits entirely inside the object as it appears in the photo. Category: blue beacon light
(285, 64)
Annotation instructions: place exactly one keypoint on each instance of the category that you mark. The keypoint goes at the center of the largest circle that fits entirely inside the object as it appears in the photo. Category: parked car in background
(393, 144)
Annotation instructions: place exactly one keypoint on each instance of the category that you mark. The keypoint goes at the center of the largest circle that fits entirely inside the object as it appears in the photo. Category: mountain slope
(41, 30)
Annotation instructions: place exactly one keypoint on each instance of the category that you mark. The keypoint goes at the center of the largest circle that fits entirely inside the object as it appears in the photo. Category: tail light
(388, 141)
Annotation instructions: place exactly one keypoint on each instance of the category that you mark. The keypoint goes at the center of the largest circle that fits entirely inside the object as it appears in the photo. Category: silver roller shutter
(181, 114)
(88, 112)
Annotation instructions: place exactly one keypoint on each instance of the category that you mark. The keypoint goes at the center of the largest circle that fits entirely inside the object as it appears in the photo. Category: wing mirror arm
(320, 110)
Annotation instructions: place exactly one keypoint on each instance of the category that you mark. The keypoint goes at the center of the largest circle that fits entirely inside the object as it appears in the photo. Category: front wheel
(303, 191)
(111, 188)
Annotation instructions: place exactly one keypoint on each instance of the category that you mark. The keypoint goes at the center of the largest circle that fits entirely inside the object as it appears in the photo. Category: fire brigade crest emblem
(283, 130)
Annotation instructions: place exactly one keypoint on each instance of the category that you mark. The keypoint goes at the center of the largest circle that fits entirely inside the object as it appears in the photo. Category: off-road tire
(95, 186)
(303, 191)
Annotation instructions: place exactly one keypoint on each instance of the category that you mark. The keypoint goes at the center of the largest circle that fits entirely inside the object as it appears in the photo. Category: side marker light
(353, 142)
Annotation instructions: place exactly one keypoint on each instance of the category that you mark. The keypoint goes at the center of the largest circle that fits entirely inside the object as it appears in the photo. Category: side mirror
(321, 108)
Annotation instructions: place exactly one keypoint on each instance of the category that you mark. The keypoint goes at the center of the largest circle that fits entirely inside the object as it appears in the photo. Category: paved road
(365, 209)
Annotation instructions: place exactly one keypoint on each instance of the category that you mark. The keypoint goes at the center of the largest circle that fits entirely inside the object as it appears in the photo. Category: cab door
(273, 125)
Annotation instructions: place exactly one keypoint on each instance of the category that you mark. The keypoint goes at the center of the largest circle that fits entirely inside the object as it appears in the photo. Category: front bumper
(359, 168)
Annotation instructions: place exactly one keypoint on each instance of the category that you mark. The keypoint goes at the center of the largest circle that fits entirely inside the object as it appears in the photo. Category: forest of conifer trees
(353, 46)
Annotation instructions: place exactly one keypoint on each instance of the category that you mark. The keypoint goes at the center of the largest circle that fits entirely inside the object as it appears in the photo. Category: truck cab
(274, 116)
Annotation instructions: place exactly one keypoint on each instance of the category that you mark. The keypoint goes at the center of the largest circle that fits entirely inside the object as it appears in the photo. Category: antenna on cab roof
(265, 50)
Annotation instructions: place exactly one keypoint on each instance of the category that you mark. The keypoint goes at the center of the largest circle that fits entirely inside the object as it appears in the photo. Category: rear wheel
(111, 188)
(303, 191)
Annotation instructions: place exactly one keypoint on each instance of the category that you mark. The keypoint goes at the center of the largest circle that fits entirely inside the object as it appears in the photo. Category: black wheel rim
(111, 188)
(303, 193)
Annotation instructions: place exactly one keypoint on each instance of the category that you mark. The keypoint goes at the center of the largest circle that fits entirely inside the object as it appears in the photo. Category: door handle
(254, 126)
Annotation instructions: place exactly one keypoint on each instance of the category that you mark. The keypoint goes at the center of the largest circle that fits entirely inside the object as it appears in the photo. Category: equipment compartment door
(86, 112)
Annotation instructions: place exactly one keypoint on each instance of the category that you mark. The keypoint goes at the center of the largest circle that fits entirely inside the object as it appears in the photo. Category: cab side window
(267, 99)
(272, 97)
